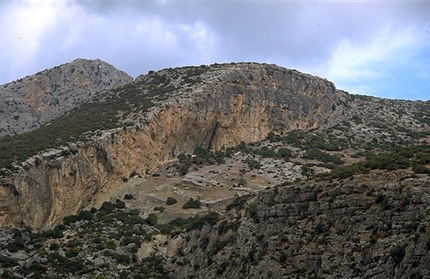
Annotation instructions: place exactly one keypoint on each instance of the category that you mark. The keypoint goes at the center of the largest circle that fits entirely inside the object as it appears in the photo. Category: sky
(372, 48)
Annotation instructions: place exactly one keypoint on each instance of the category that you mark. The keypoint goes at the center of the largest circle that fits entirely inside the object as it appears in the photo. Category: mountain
(29, 102)
(229, 170)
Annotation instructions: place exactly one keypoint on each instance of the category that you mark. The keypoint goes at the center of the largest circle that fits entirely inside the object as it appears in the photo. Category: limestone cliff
(29, 102)
(229, 104)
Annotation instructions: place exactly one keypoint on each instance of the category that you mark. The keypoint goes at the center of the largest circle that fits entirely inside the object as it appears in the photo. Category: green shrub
(107, 207)
(119, 204)
(54, 246)
(307, 171)
(397, 253)
(238, 203)
(192, 203)
(212, 218)
(252, 210)
(319, 228)
(128, 197)
(152, 219)
(159, 208)
(253, 164)
(85, 215)
(171, 200)
(70, 219)
(8, 262)
(73, 252)
(284, 153)
(111, 244)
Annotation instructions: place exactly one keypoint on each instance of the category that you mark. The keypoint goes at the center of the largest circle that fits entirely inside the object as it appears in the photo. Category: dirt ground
(214, 185)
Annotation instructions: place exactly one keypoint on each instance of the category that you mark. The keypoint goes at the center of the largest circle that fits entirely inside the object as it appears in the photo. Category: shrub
(237, 203)
(134, 212)
(70, 219)
(212, 218)
(171, 200)
(73, 252)
(159, 208)
(420, 169)
(85, 215)
(8, 262)
(307, 171)
(253, 164)
(54, 246)
(191, 203)
(119, 204)
(397, 253)
(107, 207)
(152, 219)
(128, 197)
(253, 212)
(284, 153)
(319, 228)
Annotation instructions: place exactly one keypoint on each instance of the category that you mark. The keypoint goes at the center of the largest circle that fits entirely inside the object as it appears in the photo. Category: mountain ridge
(229, 170)
(163, 114)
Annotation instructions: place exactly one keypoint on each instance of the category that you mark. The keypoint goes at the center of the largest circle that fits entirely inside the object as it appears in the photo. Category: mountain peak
(29, 102)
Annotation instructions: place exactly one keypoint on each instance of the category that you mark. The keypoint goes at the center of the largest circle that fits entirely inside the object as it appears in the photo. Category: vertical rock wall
(243, 104)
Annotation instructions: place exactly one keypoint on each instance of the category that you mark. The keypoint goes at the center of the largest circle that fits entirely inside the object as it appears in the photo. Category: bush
(70, 219)
(54, 246)
(284, 153)
(212, 218)
(171, 200)
(85, 215)
(237, 203)
(159, 208)
(397, 253)
(107, 207)
(152, 219)
(319, 228)
(253, 212)
(128, 197)
(420, 169)
(253, 164)
(119, 204)
(191, 203)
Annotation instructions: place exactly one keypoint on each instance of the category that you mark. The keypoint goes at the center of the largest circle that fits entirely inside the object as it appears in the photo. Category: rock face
(31, 101)
(234, 103)
(371, 226)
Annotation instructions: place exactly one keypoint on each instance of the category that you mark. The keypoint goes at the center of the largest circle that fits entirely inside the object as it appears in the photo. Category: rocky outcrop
(234, 103)
(370, 226)
(29, 102)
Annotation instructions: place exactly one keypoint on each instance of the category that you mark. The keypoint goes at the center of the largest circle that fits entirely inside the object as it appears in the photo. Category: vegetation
(200, 156)
(192, 203)
(401, 158)
(171, 200)
(306, 141)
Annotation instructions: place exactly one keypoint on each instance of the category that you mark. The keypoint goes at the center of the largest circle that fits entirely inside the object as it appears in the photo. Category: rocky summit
(29, 102)
(241, 170)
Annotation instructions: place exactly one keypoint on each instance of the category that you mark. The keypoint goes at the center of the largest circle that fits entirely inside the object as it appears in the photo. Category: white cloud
(201, 39)
(357, 61)
(21, 38)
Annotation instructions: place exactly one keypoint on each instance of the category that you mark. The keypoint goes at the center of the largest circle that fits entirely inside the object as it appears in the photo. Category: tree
(307, 171)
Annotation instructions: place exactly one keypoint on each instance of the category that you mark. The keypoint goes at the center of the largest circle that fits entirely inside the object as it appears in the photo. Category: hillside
(29, 102)
(235, 170)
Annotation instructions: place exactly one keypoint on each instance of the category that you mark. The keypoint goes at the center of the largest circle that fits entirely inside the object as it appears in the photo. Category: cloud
(356, 61)
(21, 38)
